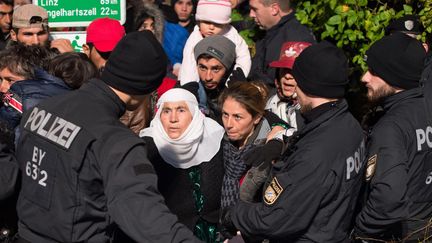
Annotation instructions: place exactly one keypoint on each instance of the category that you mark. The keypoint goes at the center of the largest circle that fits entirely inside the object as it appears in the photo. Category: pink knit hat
(216, 11)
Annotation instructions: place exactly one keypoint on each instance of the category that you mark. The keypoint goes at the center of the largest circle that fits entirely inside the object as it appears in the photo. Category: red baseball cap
(104, 34)
(289, 52)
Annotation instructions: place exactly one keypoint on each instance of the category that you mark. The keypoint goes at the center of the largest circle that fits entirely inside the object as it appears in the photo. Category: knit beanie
(219, 47)
(137, 64)
(215, 11)
(322, 70)
(398, 59)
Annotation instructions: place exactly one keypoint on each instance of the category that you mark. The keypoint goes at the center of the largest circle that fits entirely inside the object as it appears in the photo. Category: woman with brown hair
(246, 126)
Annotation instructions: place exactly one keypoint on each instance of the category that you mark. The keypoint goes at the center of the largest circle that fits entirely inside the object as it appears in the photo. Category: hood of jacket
(153, 11)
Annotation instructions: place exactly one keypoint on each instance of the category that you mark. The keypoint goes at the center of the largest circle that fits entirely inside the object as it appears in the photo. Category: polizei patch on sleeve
(272, 192)
(371, 165)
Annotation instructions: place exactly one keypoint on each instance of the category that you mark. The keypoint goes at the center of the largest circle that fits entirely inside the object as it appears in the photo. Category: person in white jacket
(213, 18)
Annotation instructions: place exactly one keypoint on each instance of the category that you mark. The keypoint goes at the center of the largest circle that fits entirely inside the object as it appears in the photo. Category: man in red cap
(102, 36)
(284, 102)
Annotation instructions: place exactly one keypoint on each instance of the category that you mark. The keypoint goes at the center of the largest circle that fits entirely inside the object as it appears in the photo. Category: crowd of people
(167, 129)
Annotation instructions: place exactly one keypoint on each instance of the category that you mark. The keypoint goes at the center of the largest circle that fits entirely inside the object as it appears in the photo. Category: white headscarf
(199, 142)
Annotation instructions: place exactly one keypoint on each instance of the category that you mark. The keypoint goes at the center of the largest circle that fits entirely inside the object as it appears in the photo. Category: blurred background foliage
(354, 25)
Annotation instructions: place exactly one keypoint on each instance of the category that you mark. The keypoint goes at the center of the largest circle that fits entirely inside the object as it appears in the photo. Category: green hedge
(354, 25)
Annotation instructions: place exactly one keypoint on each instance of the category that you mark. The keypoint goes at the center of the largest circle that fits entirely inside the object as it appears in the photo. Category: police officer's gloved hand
(251, 187)
(261, 156)
(226, 227)
(260, 159)
(237, 75)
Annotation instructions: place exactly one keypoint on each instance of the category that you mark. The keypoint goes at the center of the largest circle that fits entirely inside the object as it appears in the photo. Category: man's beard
(378, 95)
(304, 108)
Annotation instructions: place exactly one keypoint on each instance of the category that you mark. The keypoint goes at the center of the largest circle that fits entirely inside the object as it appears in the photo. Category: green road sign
(79, 13)
(77, 38)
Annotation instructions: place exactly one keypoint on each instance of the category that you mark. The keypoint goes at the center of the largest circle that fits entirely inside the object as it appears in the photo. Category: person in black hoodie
(282, 26)
(185, 10)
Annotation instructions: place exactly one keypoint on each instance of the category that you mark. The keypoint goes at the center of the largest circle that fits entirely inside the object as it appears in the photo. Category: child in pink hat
(213, 18)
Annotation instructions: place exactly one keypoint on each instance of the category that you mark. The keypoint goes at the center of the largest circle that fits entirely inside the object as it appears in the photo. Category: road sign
(79, 13)
(77, 38)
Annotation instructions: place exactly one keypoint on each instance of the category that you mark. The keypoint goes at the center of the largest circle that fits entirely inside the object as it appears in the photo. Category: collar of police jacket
(337, 108)
(403, 95)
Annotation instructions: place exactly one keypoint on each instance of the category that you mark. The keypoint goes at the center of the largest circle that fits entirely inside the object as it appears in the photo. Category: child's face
(148, 24)
(287, 84)
(209, 28)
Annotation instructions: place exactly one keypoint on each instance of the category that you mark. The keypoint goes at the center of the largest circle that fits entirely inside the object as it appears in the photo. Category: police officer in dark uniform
(8, 175)
(84, 173)
(9, 168)
(312, 191)
(398, 203)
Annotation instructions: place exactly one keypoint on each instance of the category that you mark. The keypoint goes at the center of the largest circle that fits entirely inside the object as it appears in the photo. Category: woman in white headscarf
(185, 149)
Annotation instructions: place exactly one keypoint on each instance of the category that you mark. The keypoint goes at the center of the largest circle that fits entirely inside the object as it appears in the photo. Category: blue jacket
(28, 93)
(175, 37)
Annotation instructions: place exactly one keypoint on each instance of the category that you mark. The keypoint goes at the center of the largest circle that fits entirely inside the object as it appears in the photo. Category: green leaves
(362, 3)
(334, 20)
(333, 3)
(407, 9)
(352, 18)
(355, 24)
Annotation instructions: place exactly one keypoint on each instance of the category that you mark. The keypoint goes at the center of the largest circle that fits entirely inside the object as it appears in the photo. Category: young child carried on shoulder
(213, 18)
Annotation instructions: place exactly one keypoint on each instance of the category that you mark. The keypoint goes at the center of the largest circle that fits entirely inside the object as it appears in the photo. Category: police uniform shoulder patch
(371, 165)
(273, 191)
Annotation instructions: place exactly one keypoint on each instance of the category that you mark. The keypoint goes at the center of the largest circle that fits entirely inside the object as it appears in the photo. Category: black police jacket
(399, 168)
(9, 167)
(312, 192)
(83, 170)
(268, 49)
